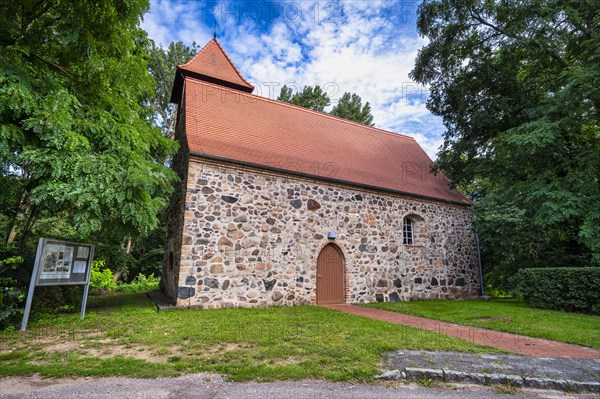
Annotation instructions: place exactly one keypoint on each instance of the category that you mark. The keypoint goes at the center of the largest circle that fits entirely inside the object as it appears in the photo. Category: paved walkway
(513, 342)
(207, 386)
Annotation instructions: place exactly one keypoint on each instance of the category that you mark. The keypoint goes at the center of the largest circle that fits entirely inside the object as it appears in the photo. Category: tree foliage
(162, 65)
(518, 88)
(79, 157)
(74, 136)
(310, 97)
(350, 107)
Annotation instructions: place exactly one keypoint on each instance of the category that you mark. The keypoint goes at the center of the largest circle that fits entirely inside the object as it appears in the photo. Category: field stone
(229, 199)
(277, 295)
(312, 205)
(253, 217)
(390, 375)
(185, 292)
(190, 280)
(211, 282)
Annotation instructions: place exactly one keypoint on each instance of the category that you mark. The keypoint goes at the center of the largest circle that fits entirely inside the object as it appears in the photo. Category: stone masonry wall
(175, 215)
(251, 238)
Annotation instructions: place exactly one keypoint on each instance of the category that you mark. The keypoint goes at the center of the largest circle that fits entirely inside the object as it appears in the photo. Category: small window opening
(408, 231)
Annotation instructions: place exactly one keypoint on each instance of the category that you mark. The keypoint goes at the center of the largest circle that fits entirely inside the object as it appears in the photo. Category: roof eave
(181, 73)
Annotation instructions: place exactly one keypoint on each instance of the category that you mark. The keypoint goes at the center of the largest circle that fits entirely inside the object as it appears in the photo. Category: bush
(54, 300)
(140, 284)
(12, 295)
(101, 277)
(574, 289)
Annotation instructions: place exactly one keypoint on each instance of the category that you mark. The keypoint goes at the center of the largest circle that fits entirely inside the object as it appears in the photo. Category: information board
(64, 263)
(60, 262)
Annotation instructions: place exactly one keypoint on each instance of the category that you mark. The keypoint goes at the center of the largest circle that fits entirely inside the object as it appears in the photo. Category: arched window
(408, 231)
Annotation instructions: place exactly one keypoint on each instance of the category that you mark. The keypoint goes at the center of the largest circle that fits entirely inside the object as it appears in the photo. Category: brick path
(513, 342)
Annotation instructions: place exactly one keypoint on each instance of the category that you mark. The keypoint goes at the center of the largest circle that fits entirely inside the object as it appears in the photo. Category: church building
(279, 205)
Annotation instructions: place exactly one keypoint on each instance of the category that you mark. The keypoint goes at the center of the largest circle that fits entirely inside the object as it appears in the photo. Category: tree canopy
(350, 107)
(75, 138)
(162, 65)
(310, 97)
(518, 88)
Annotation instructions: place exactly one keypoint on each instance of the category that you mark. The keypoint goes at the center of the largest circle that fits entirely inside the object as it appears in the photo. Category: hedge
(575, 289)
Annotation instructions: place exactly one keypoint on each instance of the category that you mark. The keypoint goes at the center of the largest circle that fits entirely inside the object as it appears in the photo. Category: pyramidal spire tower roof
(211, 64)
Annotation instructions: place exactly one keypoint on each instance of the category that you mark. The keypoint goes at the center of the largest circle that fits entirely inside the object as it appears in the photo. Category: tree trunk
(24, 204)
(28, 225)
(121, 269)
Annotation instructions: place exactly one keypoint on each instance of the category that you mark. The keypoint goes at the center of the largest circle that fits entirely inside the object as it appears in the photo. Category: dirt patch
(288, 360)
(136, 352)
(220, 349)
(107, 350)
(61, 346)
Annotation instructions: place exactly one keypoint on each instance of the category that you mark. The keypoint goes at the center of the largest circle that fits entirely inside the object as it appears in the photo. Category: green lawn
(124, 335)
(507, 315)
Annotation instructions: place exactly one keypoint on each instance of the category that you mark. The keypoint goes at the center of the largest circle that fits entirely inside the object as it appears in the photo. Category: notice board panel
(64, 263)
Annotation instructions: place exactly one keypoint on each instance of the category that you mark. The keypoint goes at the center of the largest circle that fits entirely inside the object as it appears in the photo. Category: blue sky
(365, 47)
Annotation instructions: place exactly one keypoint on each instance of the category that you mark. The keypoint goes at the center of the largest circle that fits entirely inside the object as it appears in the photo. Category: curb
(413, 373)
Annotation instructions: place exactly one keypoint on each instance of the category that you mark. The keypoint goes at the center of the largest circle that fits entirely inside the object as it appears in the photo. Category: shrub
(12, 294)
(568, 288)
(140, 284)
(101, 277)
(54, 300)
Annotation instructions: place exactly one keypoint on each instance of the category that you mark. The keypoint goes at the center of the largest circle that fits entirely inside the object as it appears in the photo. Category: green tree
(310, 97)
(518, 88)
(350, 107)
(74, 136)
(162, 66)
(286, 94)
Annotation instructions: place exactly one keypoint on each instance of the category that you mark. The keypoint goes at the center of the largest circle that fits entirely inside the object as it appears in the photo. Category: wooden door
(330, 276)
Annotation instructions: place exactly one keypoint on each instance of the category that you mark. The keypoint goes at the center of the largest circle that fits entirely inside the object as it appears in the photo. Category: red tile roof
(232, 125)
(213, 62)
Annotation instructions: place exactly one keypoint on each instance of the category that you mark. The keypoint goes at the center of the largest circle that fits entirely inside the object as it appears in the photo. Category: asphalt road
(205, 386)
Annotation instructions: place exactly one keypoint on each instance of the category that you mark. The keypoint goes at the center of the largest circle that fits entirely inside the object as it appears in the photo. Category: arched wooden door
(330, 276)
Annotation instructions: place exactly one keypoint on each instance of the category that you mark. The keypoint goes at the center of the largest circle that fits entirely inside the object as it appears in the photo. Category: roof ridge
(232, 64)
(224, 53)
(303, 109)
(196, 55)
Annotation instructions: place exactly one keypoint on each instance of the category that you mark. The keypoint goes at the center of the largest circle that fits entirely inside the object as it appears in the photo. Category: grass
(507, 389)
(122, 334)
(426, 382)
(508, 316)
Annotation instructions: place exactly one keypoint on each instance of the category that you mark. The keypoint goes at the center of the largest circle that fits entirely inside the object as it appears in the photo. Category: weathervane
(215, 29)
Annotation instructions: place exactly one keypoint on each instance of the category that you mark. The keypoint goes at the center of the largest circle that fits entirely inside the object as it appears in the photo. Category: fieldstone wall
(251, 238)
(175, 215)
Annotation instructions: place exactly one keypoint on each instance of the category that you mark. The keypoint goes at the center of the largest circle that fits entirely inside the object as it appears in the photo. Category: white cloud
(366, 47)
(169, 21)
(430, 144)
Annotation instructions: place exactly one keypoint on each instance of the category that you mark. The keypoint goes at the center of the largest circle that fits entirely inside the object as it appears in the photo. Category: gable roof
(230, 125)
(210, 64)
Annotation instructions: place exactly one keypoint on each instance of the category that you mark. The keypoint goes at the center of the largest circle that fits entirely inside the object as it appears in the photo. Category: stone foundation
(251, 238)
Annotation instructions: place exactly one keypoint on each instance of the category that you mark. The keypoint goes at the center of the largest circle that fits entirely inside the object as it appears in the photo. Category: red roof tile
(213, 62)
(241, 127)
